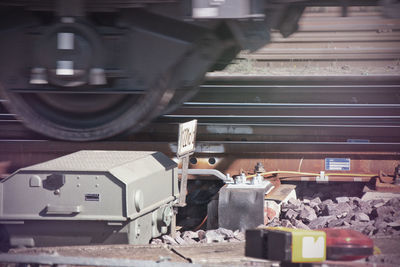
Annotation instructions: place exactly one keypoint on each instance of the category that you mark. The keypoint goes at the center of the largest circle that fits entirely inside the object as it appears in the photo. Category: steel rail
(240, 79)
(278, 109)
(296, 105)
(202, 147)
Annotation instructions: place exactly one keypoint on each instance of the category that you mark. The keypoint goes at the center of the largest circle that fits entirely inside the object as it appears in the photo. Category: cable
(201, 224)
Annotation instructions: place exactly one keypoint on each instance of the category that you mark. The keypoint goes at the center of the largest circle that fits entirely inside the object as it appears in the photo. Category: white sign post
(186, 147)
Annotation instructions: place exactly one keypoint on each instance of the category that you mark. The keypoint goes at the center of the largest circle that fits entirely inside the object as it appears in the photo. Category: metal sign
(186, 146)
(186, 138)
(337, 164)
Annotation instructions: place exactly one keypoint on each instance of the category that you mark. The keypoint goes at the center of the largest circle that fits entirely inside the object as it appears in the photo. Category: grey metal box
(90, 197)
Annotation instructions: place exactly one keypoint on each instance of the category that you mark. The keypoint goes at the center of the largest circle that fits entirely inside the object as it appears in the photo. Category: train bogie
(88, 70)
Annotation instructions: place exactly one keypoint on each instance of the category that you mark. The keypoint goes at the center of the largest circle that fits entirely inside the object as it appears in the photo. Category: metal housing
(90, 197)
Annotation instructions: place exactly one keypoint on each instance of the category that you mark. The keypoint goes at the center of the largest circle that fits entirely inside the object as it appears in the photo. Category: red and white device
(347, 244)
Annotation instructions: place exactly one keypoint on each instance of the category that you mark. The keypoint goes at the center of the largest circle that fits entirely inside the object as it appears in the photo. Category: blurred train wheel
(76, 75)
(84, 117)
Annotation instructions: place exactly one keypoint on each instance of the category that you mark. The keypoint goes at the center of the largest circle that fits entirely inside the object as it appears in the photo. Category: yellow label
(307, 245)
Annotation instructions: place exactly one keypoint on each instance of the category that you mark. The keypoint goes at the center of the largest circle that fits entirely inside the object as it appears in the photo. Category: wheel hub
(69, 54)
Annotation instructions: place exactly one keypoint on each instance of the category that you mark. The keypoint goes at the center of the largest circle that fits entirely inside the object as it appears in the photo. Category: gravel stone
(383, 211)
(376, 203)
(190, 235)
(291, 214)
(385, 260)
(226, 233)
(364, 207)
(342, 199)
(362, 217)
(274, 223)
(180, 240)
(360, 224)
(394, 202)
(316, 208)
(240, 236)
(307, 214)
(325, 203)
(212, 236)
(316, 200)
(380, 223)
(395, 224)
(320, 222)
(335, 223)
(329, 209)
(201, 234)
(354, 201)
(339, 210)
(286, 223)
(343, 209)
(299, 224)
(156, 241)
(169, 240)
(295, 202)
(369, 230)
(346, 224)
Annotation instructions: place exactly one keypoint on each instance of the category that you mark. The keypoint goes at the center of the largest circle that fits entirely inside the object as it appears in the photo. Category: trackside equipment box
(286, 244)
(89, 197)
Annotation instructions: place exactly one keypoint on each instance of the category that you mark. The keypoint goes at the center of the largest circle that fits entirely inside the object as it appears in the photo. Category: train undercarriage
(89, 70)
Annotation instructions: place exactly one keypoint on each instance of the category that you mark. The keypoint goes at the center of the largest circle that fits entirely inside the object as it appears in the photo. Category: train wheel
(82, 117)
(84, 78)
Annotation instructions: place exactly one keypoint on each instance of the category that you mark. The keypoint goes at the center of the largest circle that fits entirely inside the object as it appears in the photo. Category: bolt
(229, 179)
(258, 179)
(138, 231)
(240, 179)
(259, 168)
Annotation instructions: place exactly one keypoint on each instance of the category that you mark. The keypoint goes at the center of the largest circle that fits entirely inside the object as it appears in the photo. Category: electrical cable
(201, 224)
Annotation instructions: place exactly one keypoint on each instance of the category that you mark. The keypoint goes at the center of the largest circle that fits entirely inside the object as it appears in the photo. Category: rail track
(280, 109)
(254, 115)
(362, 42)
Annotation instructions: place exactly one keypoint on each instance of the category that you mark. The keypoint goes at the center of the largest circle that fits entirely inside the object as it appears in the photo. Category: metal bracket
(322, 178)
(210, 172)
(183, 190)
